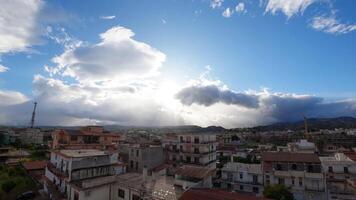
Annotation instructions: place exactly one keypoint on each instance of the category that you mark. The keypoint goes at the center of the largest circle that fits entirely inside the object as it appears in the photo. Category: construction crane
(33, 115)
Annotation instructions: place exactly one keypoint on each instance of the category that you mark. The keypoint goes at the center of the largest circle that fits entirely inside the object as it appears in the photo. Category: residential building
(302, 172)
(82, 174)
(302, 146)
(89, 137)
(191, 148)
(340, 173)
(242, 177)
(190, 176)
(142, 155)
(36, 169)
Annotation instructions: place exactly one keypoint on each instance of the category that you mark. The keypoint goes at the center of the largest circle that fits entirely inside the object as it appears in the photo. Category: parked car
(26, 195)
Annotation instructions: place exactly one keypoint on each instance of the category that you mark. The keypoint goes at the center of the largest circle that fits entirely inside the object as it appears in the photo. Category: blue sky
(302, 51)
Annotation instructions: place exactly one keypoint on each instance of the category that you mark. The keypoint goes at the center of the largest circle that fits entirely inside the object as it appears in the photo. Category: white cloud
(60, 36)
(18, 24)
(108, 17)
(11, 98)
(3, 68)
(164, 21)
(288, 7)
(331, 25)
(227, 13)
(216, 3)
(240, 8)
(118, 56)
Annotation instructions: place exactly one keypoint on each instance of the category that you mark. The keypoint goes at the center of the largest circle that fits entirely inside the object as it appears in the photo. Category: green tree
(7, 186)
(277, 192)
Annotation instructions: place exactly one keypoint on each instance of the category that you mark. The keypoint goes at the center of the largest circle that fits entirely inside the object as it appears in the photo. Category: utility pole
(33, 115)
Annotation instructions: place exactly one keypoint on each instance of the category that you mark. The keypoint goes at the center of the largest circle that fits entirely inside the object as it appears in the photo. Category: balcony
(314, 175)
(57, 171)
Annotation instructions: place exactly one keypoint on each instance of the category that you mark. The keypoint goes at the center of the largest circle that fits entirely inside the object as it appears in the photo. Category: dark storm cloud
(211, 94)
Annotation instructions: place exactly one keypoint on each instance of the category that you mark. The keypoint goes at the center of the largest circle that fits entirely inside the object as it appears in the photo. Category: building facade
(89, 137)
(302, 172)
(193, 149)
(81, 174)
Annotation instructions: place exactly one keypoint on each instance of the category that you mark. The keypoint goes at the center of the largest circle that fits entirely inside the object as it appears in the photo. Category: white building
(82, 174)
(191, 176)
(242, 177)
(303, 146)
(340, 171)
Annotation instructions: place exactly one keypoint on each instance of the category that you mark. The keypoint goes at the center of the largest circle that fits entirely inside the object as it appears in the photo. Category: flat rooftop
(82, 153)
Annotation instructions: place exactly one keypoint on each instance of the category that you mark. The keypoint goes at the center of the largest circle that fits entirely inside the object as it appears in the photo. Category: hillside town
(92, 163)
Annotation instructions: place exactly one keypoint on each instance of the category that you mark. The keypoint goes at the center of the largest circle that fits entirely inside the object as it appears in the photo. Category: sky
(230, 63)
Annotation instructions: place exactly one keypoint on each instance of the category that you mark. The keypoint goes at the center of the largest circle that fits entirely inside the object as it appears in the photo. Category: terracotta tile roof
(351, 155)
(216, 194)
(33, 165)
(290, 157)
(194, 171)
(160, 167)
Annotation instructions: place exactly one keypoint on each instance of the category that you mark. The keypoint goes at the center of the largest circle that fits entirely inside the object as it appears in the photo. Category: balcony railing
(56, 171)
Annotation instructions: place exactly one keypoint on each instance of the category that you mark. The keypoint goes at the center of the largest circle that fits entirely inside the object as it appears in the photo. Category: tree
(7, 186)
(278, 192)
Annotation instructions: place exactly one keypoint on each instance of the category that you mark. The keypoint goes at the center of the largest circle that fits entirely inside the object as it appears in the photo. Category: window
(241, 176)
(330, 169)
(135, 197)
(188, 159)
(131, 164)
(196, 150)
(255, 190)
(196, 140)
(294, 167)
(174, 158)
(196, 159)
(137, 152)
(268, 182)
(293, 181)
(181, 138)
(136, 166)
(181, 158)
(181, 148)
(310, 168)
(346, 170)
(281, 181)
(241, 187)
(73, 137)
(121, 193)
(76, 196)
(300, 181)
(255, 179)
(279, 167)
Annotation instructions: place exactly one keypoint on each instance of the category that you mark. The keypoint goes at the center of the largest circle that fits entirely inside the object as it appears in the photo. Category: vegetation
(277, 192)
(14, 181)
(248, 160)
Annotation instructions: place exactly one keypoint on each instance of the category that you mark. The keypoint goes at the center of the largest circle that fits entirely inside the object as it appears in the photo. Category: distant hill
(313, 124)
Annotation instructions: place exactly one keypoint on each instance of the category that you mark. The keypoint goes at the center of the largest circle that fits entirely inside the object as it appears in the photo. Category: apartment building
(191, 148)
(89, 137)
(142, 155)
(340, 171)
(192, 176)
(302, 172)
(242, 177)
(82, 174)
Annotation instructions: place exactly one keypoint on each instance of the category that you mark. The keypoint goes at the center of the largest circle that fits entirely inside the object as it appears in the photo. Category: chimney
(144, 173)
